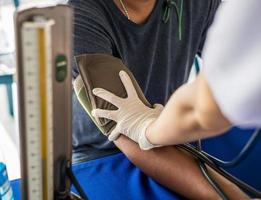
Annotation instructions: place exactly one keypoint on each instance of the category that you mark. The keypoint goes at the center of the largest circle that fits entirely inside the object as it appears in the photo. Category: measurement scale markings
(34, 168)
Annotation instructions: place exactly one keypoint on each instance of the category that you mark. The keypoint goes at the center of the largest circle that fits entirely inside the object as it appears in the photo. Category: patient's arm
(176, 170)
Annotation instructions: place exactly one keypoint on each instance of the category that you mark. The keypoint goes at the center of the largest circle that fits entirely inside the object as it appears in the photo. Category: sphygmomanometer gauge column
(44, 51)
(37, 62)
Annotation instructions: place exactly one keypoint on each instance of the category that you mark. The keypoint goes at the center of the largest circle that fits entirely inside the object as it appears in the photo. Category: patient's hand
(132, 116)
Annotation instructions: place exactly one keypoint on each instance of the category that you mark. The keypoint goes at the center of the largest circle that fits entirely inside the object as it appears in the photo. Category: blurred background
(9, 135)
(9, 140)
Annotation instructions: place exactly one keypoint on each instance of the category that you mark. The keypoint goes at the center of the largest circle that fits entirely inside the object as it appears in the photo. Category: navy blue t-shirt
(153, 51)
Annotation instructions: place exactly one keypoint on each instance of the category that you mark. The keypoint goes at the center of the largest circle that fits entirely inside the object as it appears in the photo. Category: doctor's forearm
(190, 114)
(177, 123)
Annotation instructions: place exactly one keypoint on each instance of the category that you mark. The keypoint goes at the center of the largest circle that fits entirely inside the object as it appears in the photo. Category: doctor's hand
(132, 116)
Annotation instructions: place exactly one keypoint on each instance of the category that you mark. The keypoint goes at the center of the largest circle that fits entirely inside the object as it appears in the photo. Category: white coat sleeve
(232, 61)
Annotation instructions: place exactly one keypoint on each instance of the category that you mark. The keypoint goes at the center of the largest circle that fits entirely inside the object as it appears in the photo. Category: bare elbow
(209, 118)
(204, 118)
(207, 112)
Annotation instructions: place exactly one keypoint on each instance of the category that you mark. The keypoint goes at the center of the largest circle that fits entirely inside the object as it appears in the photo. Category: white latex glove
(132, 116)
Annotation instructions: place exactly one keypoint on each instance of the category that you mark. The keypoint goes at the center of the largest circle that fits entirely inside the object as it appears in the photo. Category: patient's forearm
(174, 169)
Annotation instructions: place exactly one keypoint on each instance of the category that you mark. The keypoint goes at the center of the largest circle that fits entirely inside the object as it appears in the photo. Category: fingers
(114, 134)
(126, 80)
(108, 96)
(108, 114)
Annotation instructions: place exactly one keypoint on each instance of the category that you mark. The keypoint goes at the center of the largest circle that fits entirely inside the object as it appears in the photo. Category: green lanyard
(179, 11)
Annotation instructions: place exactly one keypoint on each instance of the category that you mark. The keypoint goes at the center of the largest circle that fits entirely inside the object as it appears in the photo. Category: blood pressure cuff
(101, 71)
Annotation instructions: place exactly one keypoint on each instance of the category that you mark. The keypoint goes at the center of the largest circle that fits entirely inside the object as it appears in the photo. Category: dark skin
(138, 10)
(170, 166)
(176, 170)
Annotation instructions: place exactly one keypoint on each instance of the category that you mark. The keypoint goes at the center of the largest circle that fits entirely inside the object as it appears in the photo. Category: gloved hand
(132, 116)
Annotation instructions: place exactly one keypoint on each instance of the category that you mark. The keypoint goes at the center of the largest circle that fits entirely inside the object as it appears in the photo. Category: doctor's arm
(190, 114)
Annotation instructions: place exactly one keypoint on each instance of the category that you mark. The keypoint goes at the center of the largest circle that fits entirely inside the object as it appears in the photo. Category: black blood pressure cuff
(101, 71)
